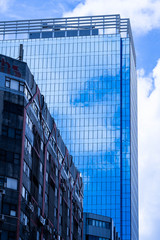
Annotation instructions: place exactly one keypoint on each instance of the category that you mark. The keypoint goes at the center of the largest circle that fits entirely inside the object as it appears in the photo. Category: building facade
(98, 227)
(86, 69)
(40, 188)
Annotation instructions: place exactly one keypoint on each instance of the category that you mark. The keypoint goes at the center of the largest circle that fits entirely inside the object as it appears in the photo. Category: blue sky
(145, 22)
(146, 40)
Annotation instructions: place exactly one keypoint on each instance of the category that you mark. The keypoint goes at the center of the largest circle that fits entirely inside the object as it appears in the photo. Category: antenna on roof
(20, 58)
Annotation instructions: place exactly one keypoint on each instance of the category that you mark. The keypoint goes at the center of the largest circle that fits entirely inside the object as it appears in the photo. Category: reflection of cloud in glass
(94, 96)
(94, 91)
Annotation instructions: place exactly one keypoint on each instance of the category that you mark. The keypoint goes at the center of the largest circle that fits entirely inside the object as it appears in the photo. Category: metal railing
(71, 23)
(104, 24)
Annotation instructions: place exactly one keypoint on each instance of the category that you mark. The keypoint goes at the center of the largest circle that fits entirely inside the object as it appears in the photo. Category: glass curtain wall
(86, 84)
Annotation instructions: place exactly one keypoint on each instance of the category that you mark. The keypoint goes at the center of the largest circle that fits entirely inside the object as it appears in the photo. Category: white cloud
(4, 5)
(144, 14)
(149, 153)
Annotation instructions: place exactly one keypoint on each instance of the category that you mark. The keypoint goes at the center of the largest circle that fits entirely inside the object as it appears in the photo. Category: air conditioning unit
(42, 220)
(49, 229)
(2, 191)
(63, 187)
(31, 207)
(73, 200)
(24, 221)
(25, 228)
(2, 218)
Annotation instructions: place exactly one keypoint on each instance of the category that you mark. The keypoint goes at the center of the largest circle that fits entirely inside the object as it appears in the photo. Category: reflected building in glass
(86, 69)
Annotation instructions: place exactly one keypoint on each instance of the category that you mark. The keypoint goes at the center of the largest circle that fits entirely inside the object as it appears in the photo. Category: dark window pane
(47, 34)
(59, 34)
(2, 155)
(18, 134)
(95, 32)
(4, 130)
(72, 33)
(89, 221)
(11, 132)
(84, 32)
(6, 209)
(34, 35)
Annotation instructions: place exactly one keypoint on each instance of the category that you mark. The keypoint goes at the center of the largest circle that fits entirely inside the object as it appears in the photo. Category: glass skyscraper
(86, 69)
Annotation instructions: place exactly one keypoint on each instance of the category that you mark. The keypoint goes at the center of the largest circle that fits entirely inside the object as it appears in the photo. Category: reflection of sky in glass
(89, 96)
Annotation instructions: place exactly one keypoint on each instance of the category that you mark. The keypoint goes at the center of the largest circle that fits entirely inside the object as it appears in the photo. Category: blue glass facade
(88, 77)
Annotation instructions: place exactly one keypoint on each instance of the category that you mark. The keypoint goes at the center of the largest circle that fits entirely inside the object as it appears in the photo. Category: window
(7, 83)
(11, 132)
(107, 225)
(67, 231)
(14, 108)
(68, 194)
(24, 219)
(26, 169)
(93, 222)
(56, 172)
(66, 169)
(38, 235)
(18, 133)
(46, 198)
(60, 219)
(35, 108)
(46, 177)
(89, 221)
(13, 213)
(55, 192)
(24, 193)
(52, 142)
(60, 158)
(79, 230)
(21, 87)
(60, 199)
(28, 145)
(41, 167)
(39, 211)
(14, 85)
(98, 223)
(2, 155)
(9, 209)
(46, 131)
(40, 190)
(42, 146)
(47, 156)
(12, 183)
(29, 122)
(79, 213)
(68, 212)
(55, 212)
(4, 130)
(104, 225)
(27, 93)
(16, 158)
